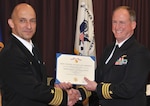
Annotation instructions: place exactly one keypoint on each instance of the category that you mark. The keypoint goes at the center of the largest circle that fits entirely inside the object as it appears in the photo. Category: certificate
(73, 68)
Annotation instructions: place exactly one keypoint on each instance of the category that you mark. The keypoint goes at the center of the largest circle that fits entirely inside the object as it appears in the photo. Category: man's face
(23, 22)
(122, 26)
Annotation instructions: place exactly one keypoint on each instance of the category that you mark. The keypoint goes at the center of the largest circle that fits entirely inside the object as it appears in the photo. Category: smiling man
(121, 76)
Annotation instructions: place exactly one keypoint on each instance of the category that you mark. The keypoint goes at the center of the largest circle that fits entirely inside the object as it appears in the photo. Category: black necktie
(34, 51)
(116, 48)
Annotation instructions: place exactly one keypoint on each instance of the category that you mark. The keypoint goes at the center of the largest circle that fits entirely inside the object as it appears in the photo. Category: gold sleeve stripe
(87, 93)
(49, 80)
(58, 97)
(105, 91)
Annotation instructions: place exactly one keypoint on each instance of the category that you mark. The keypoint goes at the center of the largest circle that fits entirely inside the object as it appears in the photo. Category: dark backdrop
(56, 23)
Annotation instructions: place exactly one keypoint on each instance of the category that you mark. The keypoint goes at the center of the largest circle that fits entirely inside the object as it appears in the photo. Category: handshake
(74, 95)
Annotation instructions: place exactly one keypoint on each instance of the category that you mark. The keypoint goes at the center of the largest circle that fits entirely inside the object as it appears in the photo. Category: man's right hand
(73, 96)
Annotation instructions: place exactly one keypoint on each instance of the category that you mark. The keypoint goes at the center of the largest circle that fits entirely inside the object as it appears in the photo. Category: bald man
(24, 76)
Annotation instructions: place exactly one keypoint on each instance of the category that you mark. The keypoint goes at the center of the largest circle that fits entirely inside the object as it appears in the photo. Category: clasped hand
(73, 94)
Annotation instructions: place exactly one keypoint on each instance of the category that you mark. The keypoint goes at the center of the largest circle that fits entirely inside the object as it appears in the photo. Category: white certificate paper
(73, 68)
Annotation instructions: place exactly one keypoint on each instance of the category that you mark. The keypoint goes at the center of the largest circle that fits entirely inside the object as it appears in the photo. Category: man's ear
(10, 23)
(133, 25)
(1, 46)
